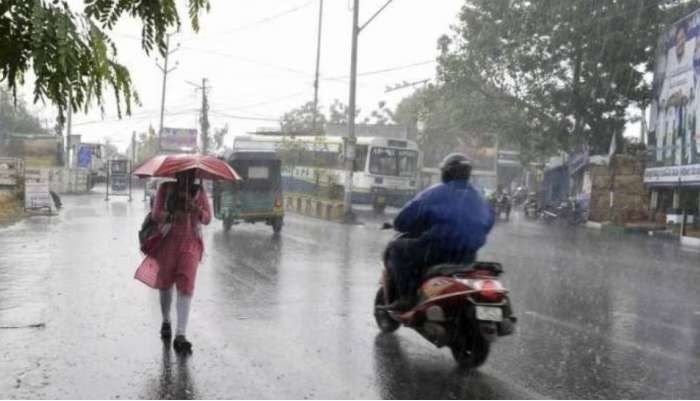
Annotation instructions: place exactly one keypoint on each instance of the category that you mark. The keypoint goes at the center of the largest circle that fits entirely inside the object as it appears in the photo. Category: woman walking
(183, 205)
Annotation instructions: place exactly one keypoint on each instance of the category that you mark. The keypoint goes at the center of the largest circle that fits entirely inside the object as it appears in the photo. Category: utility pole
(204, 119)
(203, 115)
(69, 131)
(350, 140)
(318, 62)
(133, 148)
(165, 71)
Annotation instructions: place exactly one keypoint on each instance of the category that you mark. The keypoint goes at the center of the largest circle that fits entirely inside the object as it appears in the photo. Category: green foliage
(219, 136)
(70, 54)
(146, 145)
(15, 117)
(382, 115)
(300, 120)
(562, 72)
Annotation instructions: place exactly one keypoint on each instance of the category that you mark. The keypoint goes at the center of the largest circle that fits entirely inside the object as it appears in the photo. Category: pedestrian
(183, 205)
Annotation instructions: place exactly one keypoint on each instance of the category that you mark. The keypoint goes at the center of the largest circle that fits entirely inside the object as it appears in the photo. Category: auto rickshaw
(257, 197)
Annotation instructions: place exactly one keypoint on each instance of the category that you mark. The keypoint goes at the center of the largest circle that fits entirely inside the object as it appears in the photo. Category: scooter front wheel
(384, 321)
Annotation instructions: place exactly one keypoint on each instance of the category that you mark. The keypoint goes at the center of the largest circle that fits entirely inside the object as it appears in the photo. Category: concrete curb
(314, 207)
(689, 242)
(594, 225)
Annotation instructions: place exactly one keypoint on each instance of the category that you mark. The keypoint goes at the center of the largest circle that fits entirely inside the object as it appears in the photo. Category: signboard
(179, 139)
(674, 133)
(85, 157)
(36, 189)
(119, 171)
(672, 175)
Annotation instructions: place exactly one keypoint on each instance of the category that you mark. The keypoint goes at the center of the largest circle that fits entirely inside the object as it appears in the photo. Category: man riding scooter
(446, 223)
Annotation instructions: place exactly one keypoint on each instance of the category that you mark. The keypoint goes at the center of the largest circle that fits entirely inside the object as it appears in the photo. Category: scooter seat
(453, 269)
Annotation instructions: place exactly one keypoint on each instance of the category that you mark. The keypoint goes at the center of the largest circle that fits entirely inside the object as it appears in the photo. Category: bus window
(408, 161)
(383, 161)
(397, 162)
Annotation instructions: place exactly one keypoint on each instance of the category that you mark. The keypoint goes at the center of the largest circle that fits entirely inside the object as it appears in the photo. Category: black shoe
(181, 345)
(166, 331)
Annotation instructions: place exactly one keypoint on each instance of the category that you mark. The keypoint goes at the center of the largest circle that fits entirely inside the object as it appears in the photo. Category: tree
(70, 54)
(219, 136)
(147, 145)
(110, 150)
(382, 115)
(569, 70)
(300, 120)
(15, 117)
(338, 112)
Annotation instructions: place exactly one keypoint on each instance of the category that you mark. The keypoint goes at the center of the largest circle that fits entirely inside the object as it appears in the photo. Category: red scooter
(463, 307)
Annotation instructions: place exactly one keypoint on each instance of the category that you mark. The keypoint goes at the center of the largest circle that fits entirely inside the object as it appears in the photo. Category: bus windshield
(390, 161)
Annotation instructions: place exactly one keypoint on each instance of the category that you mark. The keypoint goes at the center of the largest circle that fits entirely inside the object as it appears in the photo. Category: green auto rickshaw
(256, 198)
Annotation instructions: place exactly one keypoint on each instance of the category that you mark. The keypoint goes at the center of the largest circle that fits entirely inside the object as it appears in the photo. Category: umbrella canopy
(206, 167)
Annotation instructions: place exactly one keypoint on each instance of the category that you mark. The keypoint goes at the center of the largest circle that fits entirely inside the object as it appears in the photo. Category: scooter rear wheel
(470, 349)
(384, 321)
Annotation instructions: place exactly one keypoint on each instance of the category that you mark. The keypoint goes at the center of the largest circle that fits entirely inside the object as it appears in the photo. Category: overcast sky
(259, 58)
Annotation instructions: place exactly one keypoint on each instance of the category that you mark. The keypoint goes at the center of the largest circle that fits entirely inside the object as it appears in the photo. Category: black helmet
(455, 166)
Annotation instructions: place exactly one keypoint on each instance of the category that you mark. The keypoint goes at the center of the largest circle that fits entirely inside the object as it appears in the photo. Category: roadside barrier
(313, 207)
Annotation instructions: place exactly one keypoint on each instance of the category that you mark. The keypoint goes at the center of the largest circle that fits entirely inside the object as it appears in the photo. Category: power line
(268, 101)
(261, 21)
(138, 118)
(238, 117)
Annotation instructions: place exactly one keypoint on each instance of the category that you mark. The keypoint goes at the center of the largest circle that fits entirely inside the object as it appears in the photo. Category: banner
(674, 132)
(179, 139)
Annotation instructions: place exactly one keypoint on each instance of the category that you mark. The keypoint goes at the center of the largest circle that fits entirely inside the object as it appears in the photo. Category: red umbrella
(206, 167)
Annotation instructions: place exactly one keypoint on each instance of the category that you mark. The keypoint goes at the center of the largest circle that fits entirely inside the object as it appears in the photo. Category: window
(408, 161)
(258, 173)
(396, 162)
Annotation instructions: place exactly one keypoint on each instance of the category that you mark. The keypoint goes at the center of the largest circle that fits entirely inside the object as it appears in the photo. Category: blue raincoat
(453, 217)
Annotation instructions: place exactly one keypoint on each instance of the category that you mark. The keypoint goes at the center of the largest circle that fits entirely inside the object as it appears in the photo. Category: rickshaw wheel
(277, 224)
(227, 223)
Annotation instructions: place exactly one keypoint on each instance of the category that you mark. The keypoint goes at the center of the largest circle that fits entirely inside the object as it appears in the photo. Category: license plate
(489, 313)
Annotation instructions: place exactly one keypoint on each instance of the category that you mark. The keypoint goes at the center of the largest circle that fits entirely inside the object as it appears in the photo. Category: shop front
(675, 192)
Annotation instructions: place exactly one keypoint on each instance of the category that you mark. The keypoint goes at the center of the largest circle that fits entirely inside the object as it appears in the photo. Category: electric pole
(350, 139)
(204, 137)
(318, 61)
(165, 71)
(204, 119)
(133, 148)
(69, 131)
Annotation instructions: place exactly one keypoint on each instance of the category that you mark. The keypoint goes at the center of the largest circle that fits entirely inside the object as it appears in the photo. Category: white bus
(386, 170)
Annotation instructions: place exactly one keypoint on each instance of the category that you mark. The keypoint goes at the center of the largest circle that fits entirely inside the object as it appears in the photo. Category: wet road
(290, 317)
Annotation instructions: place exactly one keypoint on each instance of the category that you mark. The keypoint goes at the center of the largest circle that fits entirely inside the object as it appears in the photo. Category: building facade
(673, 165)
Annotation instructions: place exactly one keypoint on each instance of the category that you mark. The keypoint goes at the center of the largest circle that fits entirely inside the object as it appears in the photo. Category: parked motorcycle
(568, 211)
(531, 209)
(462, 307)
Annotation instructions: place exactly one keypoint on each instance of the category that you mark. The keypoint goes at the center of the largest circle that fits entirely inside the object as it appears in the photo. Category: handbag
(151, 233)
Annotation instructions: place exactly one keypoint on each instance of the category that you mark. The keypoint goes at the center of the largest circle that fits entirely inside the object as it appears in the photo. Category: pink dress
(178, 255)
